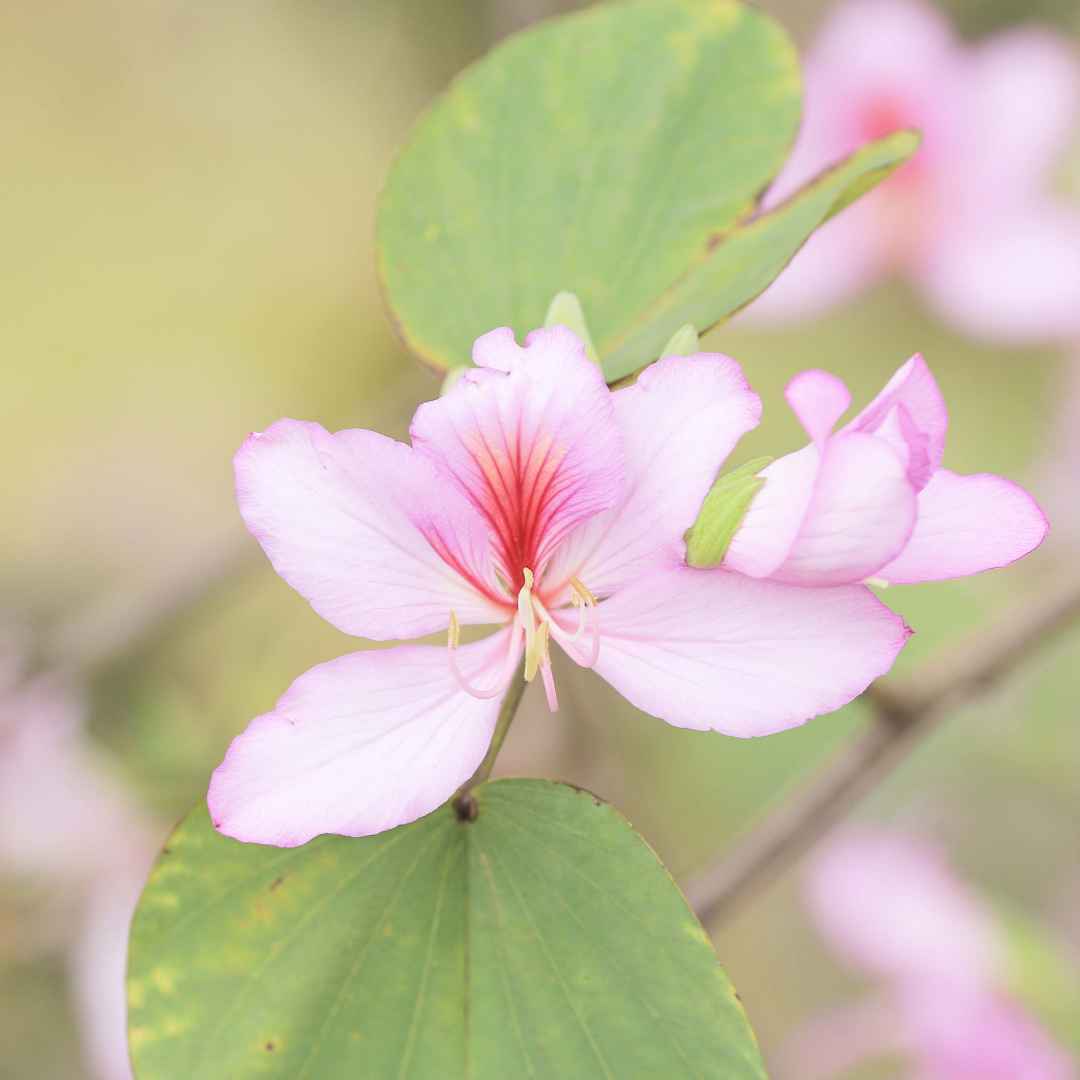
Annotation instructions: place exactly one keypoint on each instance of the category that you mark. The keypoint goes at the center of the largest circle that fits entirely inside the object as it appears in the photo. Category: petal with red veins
(366, 530)
(359, 745)
(910, 409)
(678, 422)
(713, 649)
(860, 516)
(532, 442)
(967, 524)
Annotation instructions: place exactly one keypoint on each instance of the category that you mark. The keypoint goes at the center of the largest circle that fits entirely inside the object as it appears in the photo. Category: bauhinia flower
(893, 910)
(535, 499)
(974, 218)
(871, 501)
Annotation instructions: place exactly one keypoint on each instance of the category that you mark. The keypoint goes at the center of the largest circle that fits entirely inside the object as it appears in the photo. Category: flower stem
(463, 802)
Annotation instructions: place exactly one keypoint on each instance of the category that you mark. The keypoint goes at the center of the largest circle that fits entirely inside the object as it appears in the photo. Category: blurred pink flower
(69, 827)
(872, 500)
(893, 911)
(528, 487)
(973, 217)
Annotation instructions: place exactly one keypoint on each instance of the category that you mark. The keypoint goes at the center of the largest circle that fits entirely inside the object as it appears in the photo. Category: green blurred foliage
(188, 222)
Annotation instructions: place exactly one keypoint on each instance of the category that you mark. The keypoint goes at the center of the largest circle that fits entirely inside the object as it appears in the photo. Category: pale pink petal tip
(891, 907)
(818, 399)
(365, 529)
(967, 524)
(711, 649)
(496, 349)
(359, 745)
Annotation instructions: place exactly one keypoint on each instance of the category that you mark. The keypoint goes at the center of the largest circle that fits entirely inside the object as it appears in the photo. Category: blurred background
(188, 194)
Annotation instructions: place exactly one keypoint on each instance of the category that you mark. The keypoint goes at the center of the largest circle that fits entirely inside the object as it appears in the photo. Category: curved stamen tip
(453, 635)
(580, 593)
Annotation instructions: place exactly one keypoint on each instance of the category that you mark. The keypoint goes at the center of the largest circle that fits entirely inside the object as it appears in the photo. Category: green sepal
(566, 309)
(722, 513)
(684, 342)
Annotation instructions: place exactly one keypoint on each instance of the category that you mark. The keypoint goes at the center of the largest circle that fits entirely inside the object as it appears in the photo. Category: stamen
(527, 618)
(549, 687)
(581, 591)
(587, 605)
(453, 635)
(579, 602)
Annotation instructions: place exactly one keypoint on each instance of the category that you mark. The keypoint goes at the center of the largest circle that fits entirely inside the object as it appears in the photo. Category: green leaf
(544, 939)
(748, 257)
(566, 309)
(722, 513)
(601, 153)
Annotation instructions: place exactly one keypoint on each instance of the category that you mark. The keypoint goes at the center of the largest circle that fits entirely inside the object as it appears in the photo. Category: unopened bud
(722, 513)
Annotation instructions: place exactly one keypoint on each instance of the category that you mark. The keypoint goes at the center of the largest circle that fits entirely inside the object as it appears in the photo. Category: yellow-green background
(187, 193)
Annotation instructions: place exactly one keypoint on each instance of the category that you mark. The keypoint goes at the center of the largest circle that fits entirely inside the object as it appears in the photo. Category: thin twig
(904, 711)
(463, 801)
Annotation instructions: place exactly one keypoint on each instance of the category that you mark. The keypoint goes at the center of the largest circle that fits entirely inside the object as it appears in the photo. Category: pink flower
(535, 499)
(893, 910)
(69, 826)
(972, 218)
(872, 500)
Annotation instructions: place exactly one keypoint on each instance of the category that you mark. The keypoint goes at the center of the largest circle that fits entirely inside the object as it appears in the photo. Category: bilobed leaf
(747, 258)
(544, 940)
(722, 513)
(598, 153)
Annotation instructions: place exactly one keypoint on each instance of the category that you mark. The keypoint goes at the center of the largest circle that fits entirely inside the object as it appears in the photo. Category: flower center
(532, 621)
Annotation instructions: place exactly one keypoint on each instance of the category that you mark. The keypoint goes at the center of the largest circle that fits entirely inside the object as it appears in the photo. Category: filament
(452, 636)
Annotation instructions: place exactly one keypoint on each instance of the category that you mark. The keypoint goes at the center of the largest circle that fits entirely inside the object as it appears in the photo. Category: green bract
(543, 939)
(566, 309)
(618, 153)
(722, 513)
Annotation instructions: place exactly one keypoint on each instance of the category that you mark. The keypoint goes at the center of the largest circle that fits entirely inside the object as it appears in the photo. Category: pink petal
(1021, 109)
(837, 1038)
(98, 968)
(825, 519)
(876, 65)
(678, 422)
(818, 400)
(967, 524)
(712, 649)
(861, 515)
(359, 745)
(910, 413)
(366, 530)
(980, 1037)
(531, 440)
(1015, 278)
(497, 349)
(771, 526)
(890, 907)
